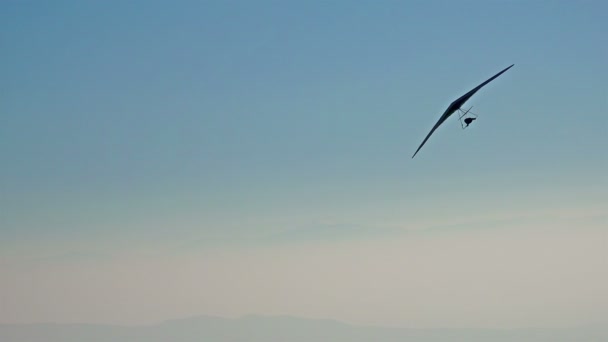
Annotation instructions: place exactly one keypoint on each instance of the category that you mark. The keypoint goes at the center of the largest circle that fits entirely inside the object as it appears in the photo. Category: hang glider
(454, 106)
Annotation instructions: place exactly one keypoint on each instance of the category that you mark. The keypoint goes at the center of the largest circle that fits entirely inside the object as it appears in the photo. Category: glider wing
(454, 106)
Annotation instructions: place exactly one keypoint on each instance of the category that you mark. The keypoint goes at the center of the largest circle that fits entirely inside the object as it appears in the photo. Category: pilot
(468, 121)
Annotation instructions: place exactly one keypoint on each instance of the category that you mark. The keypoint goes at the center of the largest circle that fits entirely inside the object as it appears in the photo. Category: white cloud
(524, 274)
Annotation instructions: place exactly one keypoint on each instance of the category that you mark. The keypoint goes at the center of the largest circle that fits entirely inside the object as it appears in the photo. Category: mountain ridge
(263, 328)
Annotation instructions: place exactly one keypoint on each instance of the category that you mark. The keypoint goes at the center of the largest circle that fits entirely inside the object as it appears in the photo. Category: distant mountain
(277, 329)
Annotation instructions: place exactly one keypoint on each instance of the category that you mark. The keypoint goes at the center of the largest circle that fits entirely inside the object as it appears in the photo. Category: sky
(162, 159)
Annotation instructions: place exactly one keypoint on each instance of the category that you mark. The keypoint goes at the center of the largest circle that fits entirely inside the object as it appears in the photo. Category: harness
(462, 114)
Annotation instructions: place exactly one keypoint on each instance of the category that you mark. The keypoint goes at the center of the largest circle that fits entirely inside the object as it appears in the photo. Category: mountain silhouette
(256, 328)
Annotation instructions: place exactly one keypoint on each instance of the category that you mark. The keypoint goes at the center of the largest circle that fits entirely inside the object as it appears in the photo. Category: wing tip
(415, 153)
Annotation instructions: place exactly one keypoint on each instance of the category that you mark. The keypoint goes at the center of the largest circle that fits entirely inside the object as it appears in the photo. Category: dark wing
(444, 117)
(457, 104)
(464, 98)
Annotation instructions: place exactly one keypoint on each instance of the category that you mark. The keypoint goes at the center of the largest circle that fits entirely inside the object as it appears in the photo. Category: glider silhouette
(454, 106)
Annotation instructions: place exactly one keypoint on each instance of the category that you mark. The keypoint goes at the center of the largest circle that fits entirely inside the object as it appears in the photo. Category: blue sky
(174, 127)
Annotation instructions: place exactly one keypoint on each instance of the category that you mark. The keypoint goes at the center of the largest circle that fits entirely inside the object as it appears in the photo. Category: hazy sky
(161, 159)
